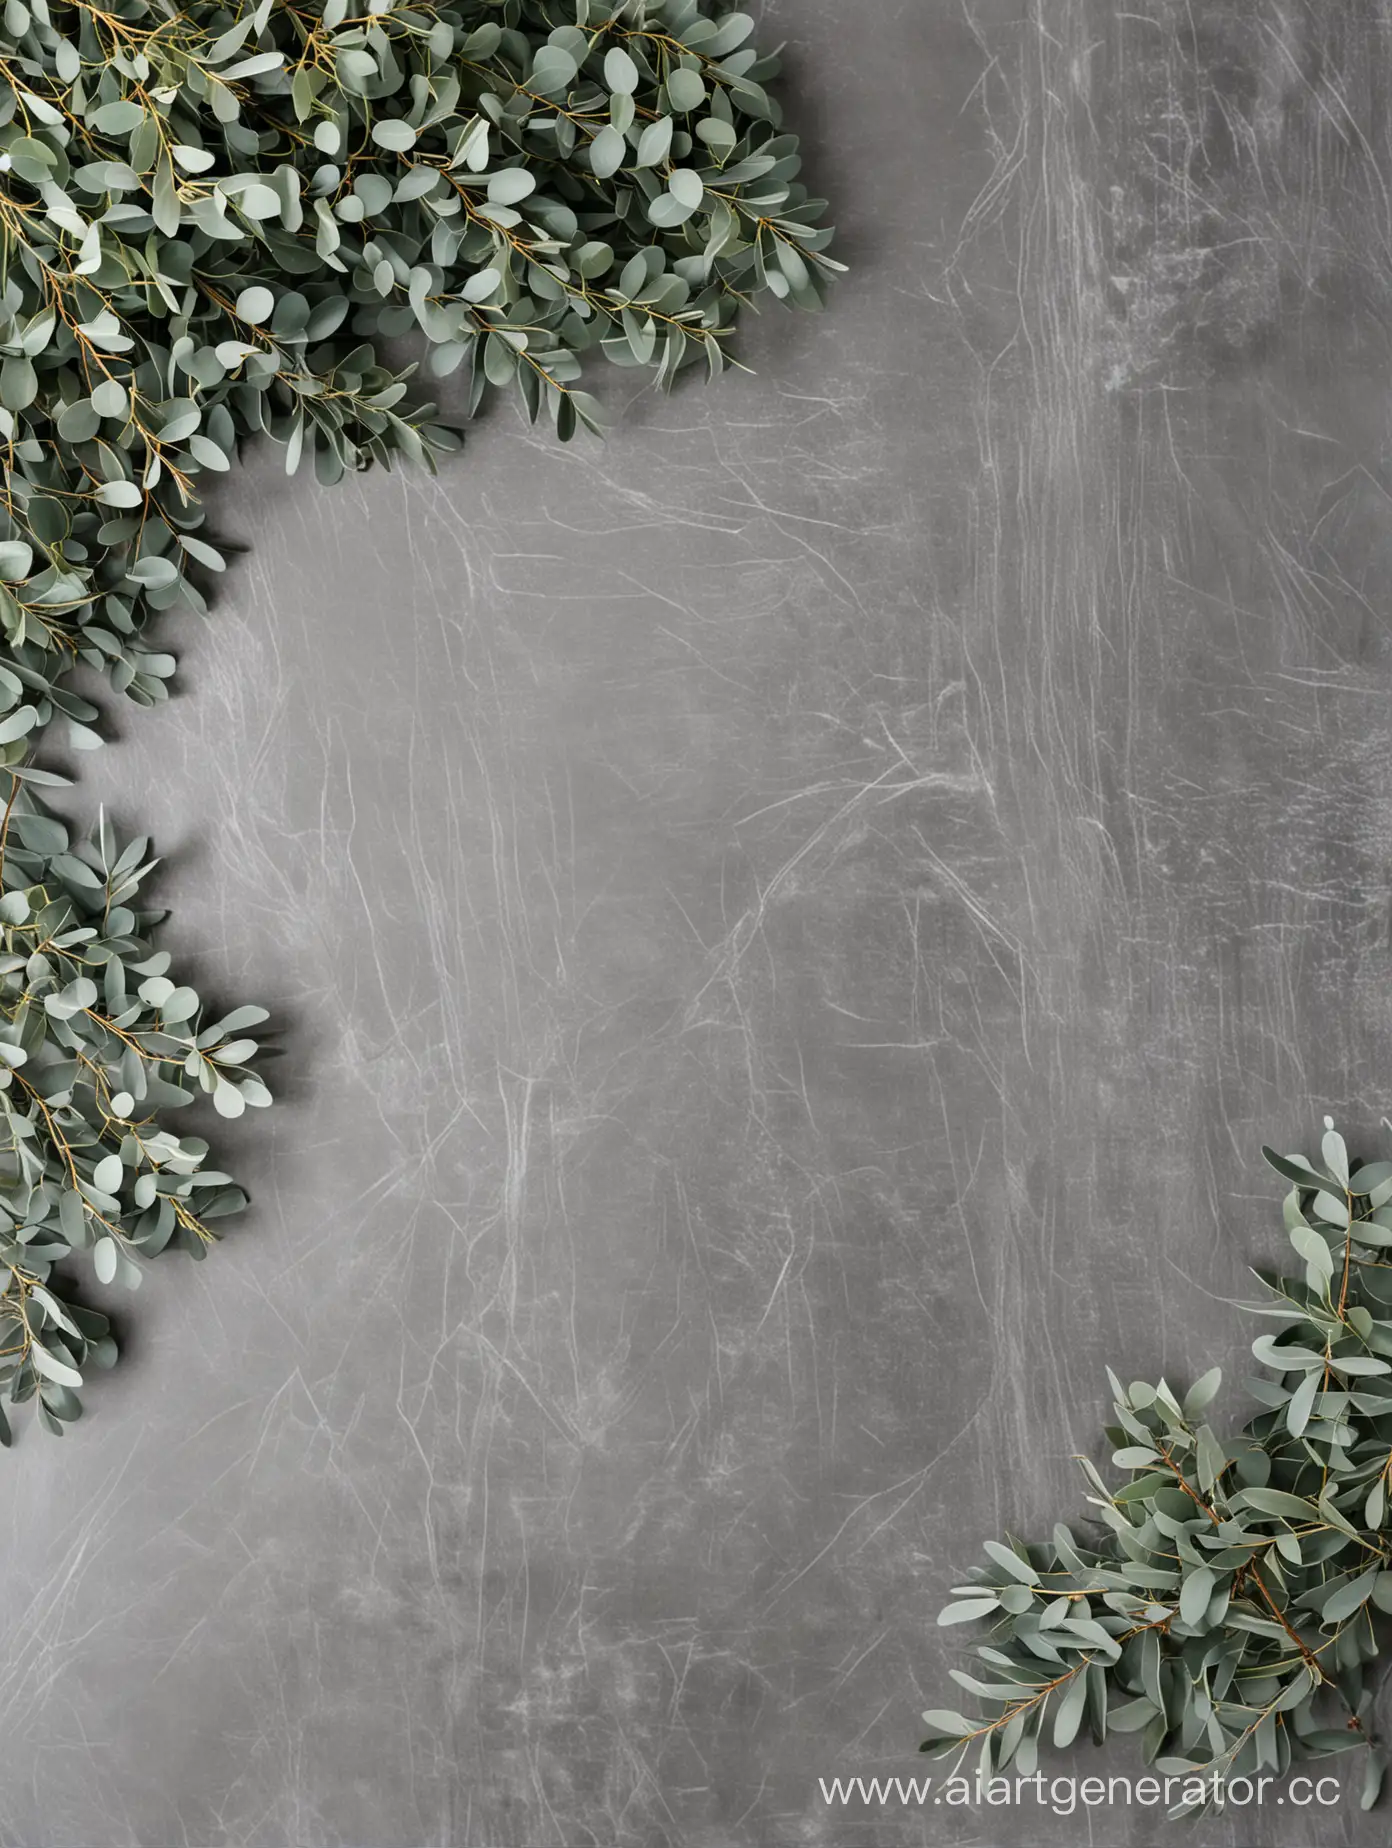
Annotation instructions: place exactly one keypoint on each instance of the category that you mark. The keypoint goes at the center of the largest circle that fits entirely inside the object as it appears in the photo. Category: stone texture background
(789, 929)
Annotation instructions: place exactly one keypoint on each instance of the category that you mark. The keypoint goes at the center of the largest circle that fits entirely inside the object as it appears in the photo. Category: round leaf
(395, 135)
(620, 72)
(255, 305)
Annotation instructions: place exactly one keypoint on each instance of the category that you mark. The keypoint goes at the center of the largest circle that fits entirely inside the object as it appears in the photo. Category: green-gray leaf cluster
(216, 218)
(98, 1045)
(1230, 1606)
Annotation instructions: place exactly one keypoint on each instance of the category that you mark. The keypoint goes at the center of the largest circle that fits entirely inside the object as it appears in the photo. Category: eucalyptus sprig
(1231, 1605)
(98, 1044)
(214, 217)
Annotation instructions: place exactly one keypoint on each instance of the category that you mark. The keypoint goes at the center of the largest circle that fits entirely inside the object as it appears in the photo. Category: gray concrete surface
(790, 929)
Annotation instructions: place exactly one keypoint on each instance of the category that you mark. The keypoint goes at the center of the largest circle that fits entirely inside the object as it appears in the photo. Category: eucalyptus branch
(88, 1076)
(1236, 1547)
(210, 230)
